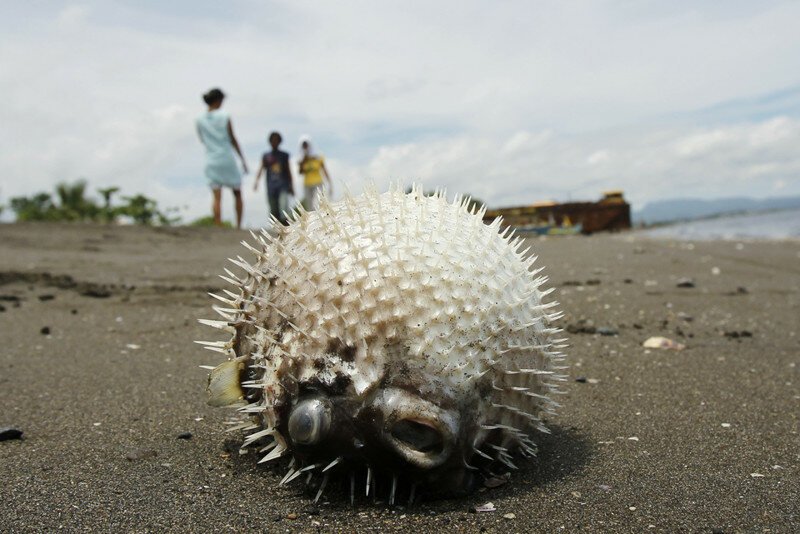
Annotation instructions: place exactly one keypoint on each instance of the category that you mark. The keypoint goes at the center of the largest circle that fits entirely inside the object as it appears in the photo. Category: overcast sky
(513, 102)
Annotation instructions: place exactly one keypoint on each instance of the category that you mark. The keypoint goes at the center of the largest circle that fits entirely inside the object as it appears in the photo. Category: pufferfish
(393, 340)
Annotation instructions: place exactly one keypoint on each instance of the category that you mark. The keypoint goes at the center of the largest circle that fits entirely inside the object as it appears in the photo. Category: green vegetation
(72, 204)
(208, 222)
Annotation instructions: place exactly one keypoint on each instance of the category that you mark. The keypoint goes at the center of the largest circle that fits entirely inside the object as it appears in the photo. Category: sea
(784, 224)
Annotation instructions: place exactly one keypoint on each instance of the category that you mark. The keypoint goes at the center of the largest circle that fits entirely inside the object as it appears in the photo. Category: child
(279, 178)
(312, 166)
(216, 132)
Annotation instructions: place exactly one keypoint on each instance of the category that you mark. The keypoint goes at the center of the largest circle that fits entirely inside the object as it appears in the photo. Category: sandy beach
(98, 369)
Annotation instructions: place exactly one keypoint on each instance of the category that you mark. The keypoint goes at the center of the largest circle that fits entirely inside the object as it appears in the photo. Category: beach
(99, 370)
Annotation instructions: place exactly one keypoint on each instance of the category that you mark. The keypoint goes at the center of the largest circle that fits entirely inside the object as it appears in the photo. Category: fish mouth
(420, 432)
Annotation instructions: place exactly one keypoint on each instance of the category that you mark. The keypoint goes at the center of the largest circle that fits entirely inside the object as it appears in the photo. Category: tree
(144, 210)
(108, 213)
(39, 207)
(73, 204)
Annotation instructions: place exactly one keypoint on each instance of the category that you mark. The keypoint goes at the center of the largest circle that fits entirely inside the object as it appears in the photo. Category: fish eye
(309, 421)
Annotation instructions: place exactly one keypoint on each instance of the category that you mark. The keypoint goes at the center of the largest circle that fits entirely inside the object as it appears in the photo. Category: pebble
(583, 326)
(291, 515)
(509, 515)
(45, 331)
(658, 342)
(488, 507)
(8, 433)
(685, 282)
(581, 379)
(734, 334)
(96, 292)
(185, 435)
(607, 331)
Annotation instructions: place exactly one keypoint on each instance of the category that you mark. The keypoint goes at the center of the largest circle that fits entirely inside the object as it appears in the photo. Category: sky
(510, 101)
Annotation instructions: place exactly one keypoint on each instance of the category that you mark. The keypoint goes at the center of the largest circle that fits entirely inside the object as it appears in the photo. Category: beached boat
(611, 212)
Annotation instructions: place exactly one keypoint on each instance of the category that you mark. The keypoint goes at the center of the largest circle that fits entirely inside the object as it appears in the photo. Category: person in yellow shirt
(312, 167)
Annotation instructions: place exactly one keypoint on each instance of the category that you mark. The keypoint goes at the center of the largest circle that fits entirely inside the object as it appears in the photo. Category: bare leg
(216, 208)
(237, 193)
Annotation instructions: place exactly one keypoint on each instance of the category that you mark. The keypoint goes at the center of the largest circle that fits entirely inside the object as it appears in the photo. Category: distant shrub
(73, 205)
(208, 221)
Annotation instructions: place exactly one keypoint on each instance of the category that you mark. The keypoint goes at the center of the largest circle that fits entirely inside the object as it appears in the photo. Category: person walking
(312, 166)
(216, 133)
(279, 178)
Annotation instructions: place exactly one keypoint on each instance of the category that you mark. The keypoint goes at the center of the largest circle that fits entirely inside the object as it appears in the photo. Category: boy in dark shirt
(279, 178)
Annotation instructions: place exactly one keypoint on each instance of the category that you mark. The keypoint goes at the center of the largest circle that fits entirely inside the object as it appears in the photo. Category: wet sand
(98, 368)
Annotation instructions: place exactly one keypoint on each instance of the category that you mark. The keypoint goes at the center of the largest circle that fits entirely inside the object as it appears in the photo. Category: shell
(411, 336)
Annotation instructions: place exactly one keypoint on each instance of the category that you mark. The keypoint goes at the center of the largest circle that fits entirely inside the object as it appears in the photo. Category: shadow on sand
(562, 453)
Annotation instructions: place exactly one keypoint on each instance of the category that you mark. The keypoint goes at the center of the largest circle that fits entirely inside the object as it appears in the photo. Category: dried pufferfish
(389, 337)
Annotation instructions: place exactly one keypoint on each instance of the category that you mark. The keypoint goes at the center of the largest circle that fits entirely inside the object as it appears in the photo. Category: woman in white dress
(216, 132)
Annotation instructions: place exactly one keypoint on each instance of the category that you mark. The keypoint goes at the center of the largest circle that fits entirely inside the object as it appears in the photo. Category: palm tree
(73, 203)
(107, 213)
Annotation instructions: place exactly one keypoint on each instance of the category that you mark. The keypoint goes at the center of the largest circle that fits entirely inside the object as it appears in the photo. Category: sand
(700, 440)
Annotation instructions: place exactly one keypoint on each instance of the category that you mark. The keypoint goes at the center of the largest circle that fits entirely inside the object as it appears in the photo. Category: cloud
(522, 101)
(743, 159)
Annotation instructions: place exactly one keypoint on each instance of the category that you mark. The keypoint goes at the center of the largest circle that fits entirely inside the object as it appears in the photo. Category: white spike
(219, 325)
(240, 426)
(393, 491)
(481, 453)
(258, 435)
(217, 344)
(290, 474)
(222, 299)
(309, 467)
(229, 273)
(321, 487)
(230, 294)
(333, 463)
(276, 453)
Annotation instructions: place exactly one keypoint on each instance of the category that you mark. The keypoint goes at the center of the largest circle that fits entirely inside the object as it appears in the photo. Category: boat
(611, 213)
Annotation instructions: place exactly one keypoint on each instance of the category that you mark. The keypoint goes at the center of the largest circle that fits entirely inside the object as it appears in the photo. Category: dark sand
(703, 440)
